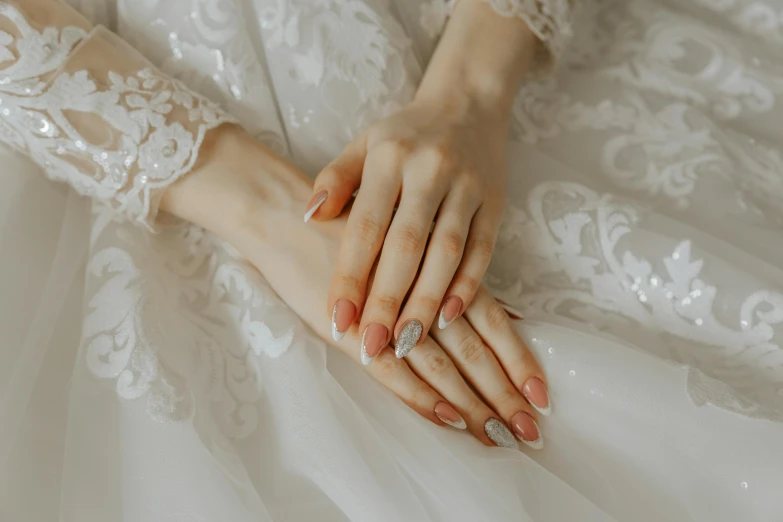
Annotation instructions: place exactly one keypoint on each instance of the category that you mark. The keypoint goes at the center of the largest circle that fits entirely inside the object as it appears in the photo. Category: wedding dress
(643, 241)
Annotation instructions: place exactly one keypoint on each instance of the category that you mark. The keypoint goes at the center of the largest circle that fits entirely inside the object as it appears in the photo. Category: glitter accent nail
(500, 434)
(409, 336)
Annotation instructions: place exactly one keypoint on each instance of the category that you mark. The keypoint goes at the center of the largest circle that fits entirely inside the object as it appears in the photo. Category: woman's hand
(477, 374)
(441, 159)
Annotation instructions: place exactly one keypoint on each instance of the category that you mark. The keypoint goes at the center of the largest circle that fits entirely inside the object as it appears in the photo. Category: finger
(364, 234)
(491, 321)
(476, 361)
(434, 366)
(398, 265)
(397, 376)
(335, 184)
(444, 253)
(475, 261)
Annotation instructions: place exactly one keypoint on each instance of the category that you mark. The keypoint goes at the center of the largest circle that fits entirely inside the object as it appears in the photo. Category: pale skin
(476, 369)
(441, 159)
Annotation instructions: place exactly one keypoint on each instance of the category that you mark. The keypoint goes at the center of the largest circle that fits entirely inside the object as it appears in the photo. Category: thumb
(337, 182)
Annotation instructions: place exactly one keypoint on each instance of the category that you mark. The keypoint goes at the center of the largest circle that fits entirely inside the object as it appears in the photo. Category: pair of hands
(476, 374)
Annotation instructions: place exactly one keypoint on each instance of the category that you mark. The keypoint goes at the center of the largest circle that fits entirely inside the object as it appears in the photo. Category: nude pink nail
(374, 338)
(526, 430)
(446, 412)
(315, 204)
(535, 392)
(449, 311)
(342, 316)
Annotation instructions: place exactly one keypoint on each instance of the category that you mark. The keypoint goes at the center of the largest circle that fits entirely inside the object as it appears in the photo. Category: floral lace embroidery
(150, 130)
(550, 20)
(573, 258)
(180, 323)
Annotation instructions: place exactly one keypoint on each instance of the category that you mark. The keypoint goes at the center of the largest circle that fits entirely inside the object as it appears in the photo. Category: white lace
(150, 131)
(549, 20)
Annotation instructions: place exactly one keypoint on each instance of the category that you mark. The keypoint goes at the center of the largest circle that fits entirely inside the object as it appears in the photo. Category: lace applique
(582, 256)
(550, 20)
(121, 139)
(178, 321)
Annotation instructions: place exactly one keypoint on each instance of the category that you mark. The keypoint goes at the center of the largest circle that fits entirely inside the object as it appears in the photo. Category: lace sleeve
(91, 111)
(550, 21)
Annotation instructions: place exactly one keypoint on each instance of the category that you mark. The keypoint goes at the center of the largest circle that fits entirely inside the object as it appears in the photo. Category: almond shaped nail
(536, 394)
(526, 430)
(449, 311)
(500, 434)
(446, 413)
(315, 204)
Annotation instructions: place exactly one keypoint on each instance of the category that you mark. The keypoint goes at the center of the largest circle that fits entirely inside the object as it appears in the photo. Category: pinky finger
(399, 378)
(475, 261)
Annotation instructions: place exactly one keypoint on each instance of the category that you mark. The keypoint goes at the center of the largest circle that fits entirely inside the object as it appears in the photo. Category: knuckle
(437, 364)
(349, 283)
(507, 396)
(453, 243)
(472, 349)
(409, 239)
(387, 303)
(496, 316)
(428, 306)
(367, 228)
(388, 367)
(470, 285)
(419, 395)
(484, 247)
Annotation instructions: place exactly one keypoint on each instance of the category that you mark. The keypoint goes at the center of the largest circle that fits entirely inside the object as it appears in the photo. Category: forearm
(480, 60)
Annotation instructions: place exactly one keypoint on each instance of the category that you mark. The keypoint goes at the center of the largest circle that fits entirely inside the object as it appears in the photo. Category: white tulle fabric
(156, 377)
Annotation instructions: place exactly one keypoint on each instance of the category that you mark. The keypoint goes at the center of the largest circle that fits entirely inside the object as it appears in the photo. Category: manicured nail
(449, 311)
(342, 317)
(315, 204)
(409, 336)
(536, 394)
(526, 430)
(374, 339)
(500, 434)
(449, 415)
(512, 312)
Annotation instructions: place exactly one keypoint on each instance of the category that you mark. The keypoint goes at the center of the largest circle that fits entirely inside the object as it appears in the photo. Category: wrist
(237, 183)
(482, 58)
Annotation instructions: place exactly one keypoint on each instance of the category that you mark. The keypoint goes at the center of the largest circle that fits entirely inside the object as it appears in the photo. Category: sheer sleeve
(550, 21)
(93, 112)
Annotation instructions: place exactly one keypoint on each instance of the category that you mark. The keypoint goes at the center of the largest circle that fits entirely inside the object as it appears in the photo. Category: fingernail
(342, 317)
(315, 204)
(449, 415)
(535, 392)
(500, 434)
(449, 311)
(526, 430)
(409, 336)
(373, 341)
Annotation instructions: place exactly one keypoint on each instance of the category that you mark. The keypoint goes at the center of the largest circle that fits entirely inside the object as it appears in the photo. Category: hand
(257, 211)
(442, 160)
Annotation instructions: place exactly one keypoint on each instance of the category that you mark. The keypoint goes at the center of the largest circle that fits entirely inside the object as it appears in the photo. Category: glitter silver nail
(336, 334)
(500, 434)
(409, 336)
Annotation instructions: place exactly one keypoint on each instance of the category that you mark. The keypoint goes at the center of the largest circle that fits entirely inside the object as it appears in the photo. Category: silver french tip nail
(537, 444)
(546, 412)
(442, 322)
(336, 334)
(461, 425)
(366, 359)
(315, 207)
(500, 434)
(409, 336)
